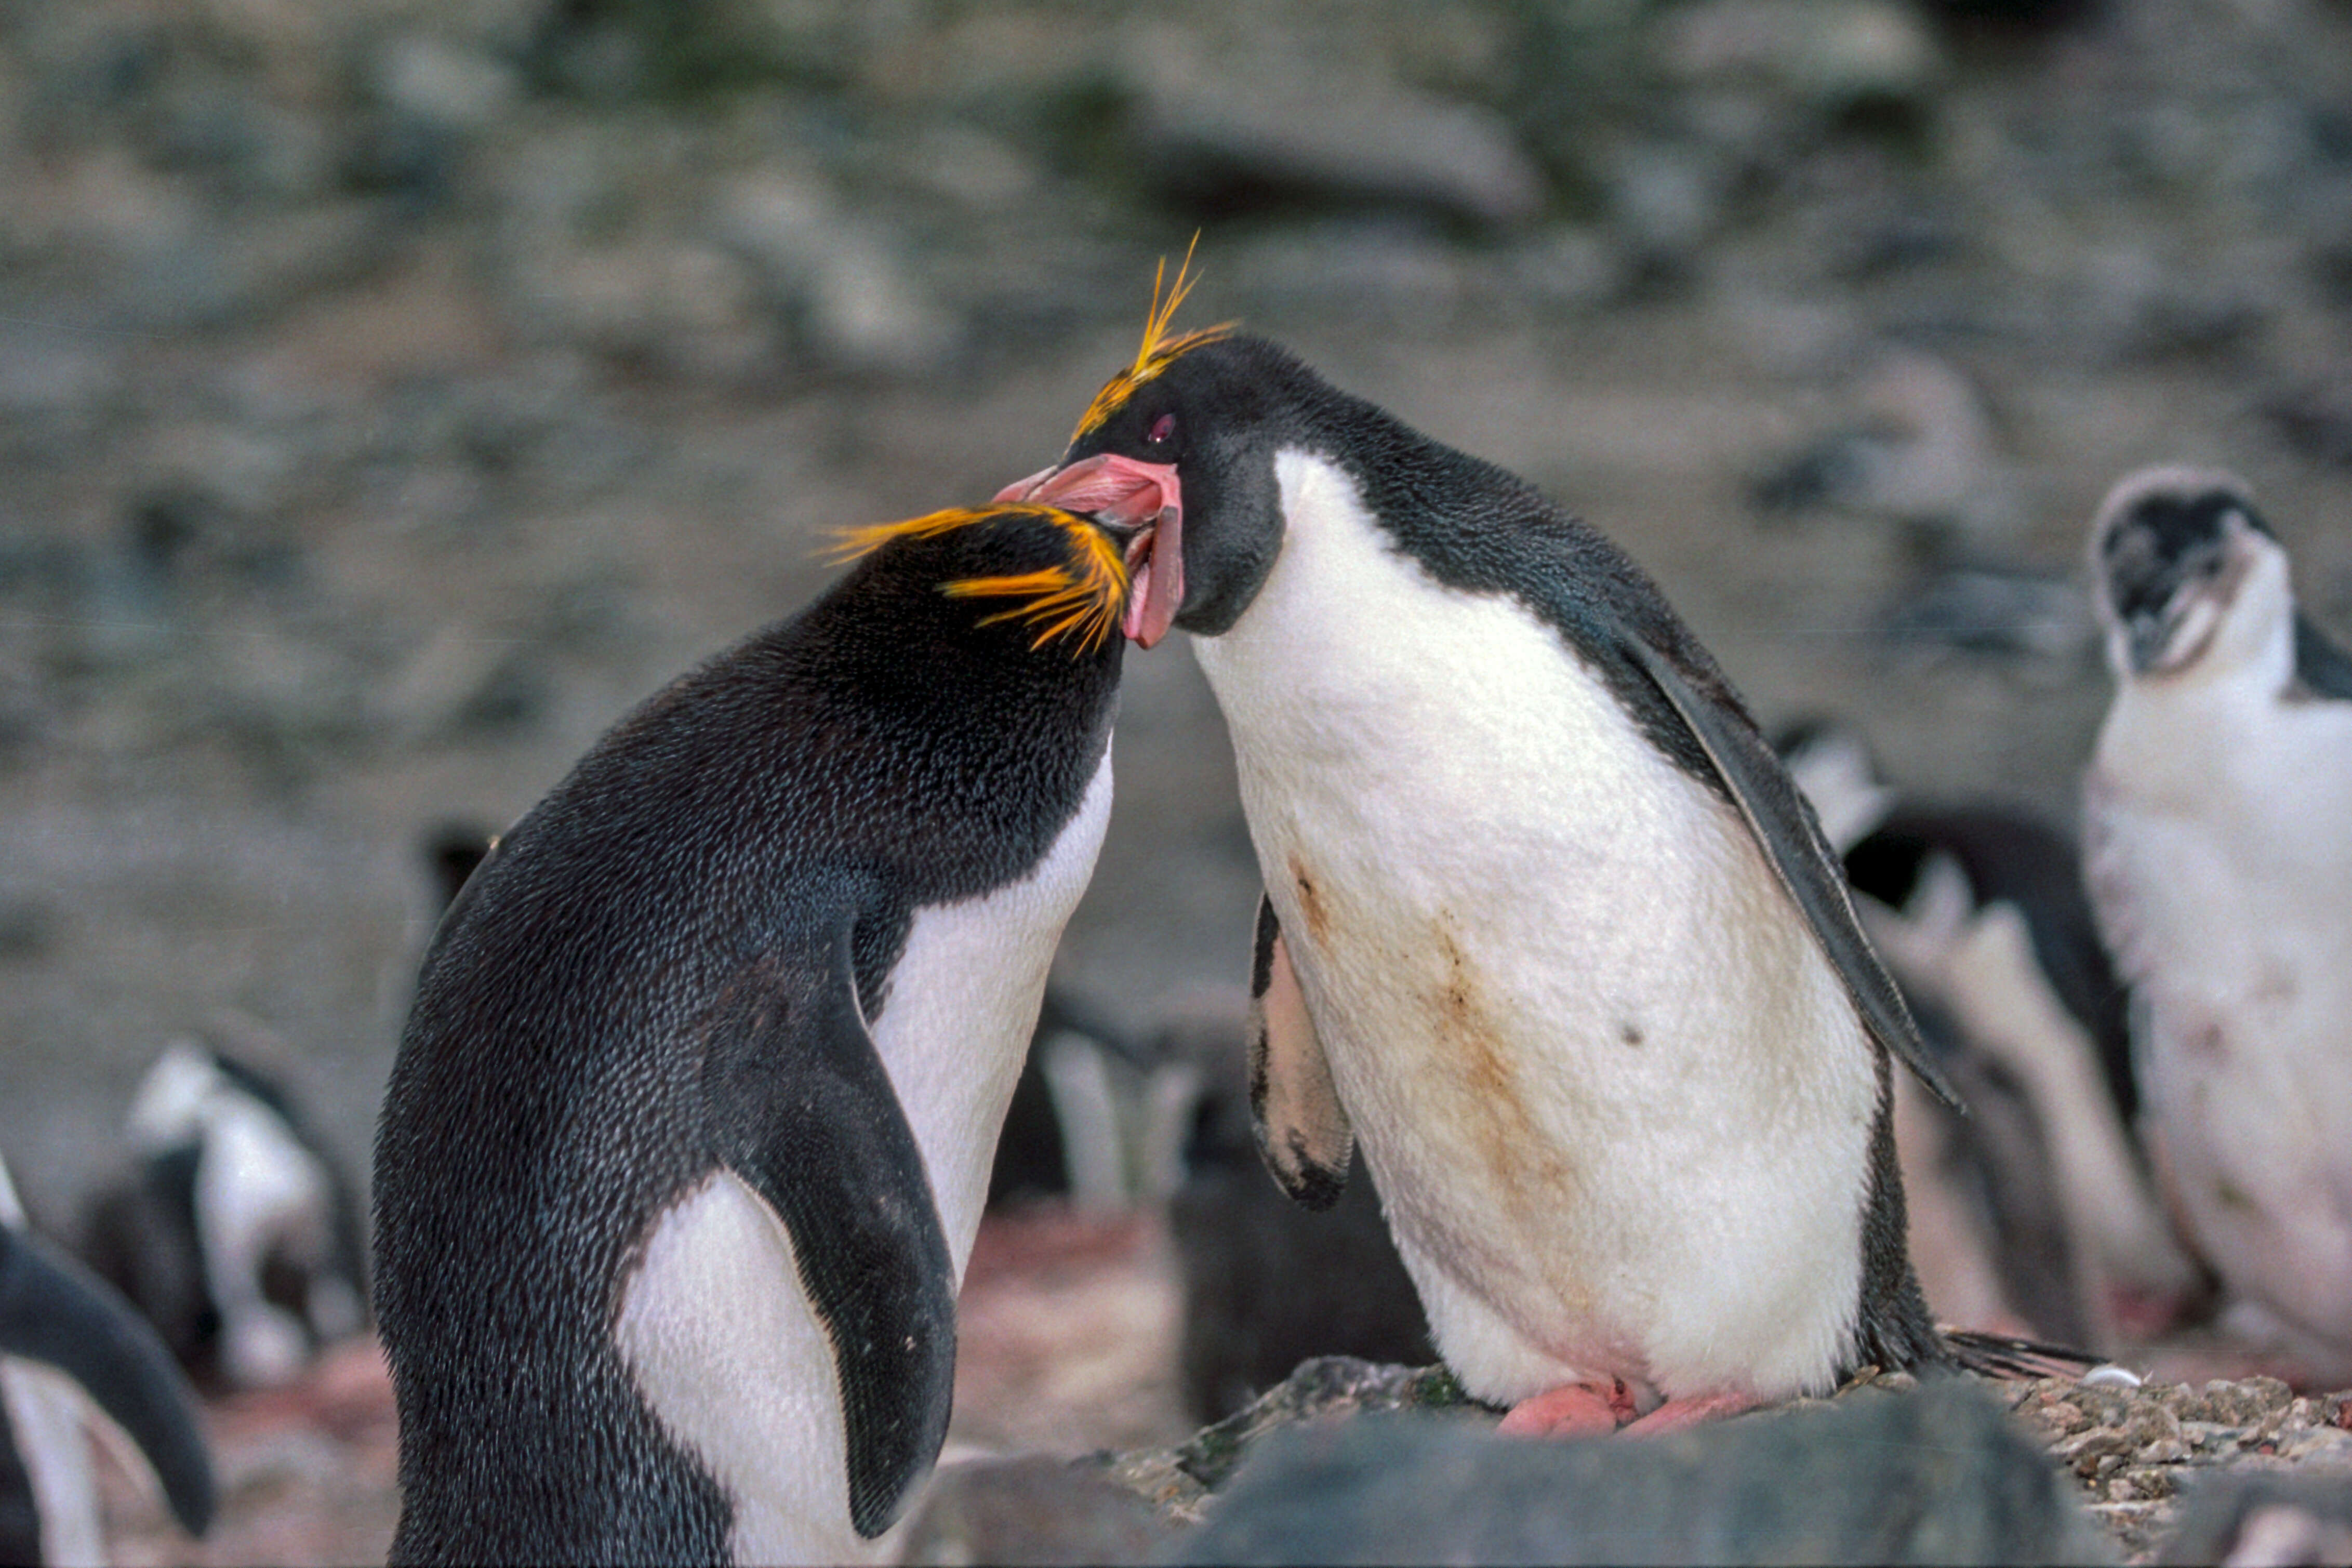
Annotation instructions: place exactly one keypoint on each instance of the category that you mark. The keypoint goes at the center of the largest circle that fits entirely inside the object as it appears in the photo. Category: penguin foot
(1675, 1414)
(1576, 1410)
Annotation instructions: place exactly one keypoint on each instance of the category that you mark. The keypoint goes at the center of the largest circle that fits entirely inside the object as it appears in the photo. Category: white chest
(1614, 1093)
(2219, 837)
(714, 1325)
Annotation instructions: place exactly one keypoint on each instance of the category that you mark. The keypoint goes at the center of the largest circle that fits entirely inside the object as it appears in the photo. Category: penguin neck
(2174, 735)
(1300, 668)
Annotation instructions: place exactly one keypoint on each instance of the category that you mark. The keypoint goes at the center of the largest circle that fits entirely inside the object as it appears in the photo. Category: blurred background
(392, 393)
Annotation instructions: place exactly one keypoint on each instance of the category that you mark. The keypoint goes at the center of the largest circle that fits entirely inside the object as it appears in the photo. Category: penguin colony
(71, 1345)
(235, 1230)
(694, 1117)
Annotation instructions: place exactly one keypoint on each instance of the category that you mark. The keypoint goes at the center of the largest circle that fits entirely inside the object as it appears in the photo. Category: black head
(1181, 443)
(2169, 550)
(1216, 414)
(1020, 578)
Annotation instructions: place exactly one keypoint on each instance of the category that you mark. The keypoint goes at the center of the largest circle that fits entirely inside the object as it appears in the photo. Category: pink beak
(1125, 493)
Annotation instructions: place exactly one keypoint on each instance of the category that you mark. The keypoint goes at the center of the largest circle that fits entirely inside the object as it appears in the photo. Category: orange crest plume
(1159, 351)
(1080, 597)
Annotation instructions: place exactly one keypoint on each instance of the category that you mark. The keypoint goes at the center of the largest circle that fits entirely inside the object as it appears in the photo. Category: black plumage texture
(703, 908)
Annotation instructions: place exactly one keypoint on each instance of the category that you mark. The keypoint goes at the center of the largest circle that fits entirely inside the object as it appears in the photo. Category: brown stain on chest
(1529, 1170)
(1310, 903)
(1477, 1060)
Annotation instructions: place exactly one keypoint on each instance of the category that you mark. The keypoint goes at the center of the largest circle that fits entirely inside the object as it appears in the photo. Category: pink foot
(1676, 1414)
(1576, 1410)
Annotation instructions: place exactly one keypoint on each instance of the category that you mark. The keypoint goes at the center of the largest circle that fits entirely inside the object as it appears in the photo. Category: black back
(20, 1512)
(55, 1311)
(2321, 668)
(2007, 856)
(600, 1006)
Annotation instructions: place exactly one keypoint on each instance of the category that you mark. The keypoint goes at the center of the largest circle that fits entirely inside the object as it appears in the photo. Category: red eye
(1161, 428)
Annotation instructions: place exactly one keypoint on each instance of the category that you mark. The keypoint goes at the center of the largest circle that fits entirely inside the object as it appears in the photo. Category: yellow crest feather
(1080, 597)
(1159, 351)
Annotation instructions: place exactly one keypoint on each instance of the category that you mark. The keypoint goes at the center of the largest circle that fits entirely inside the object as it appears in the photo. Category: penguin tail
(55, 1311)
(2007, 1357)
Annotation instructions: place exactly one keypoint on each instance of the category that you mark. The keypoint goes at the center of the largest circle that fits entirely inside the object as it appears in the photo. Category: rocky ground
(1067, 1358)
(392, 393)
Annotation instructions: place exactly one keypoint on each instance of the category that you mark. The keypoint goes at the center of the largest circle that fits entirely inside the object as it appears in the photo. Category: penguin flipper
(1786, 829)
(1303, 1131)
(800, 1106)
(55, 1311)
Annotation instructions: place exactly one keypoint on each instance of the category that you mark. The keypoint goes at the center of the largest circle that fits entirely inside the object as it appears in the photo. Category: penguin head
(1042, 576)
(1183, 440)
(2185, 571)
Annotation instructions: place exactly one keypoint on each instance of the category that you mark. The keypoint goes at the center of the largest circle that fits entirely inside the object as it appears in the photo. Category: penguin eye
(1161, 428)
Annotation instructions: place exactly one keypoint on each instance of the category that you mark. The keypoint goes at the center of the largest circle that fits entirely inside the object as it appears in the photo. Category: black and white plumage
(687, 1138)
(235, 1230)
(1547, 927)
(2042, 1207)
(2218, 809)
(70, 1349)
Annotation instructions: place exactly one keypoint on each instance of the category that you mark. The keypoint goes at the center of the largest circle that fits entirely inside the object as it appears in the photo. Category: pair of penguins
(686, 1144)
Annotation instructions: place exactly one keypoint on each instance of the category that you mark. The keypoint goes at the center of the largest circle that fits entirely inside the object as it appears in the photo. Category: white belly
(2220, 859)
(714, 1326)
(1616, 1097)
(48, 1413)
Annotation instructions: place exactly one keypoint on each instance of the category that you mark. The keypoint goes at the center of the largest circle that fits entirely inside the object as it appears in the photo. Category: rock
(1224, 143)
(836, 283)
(1833, 55)
(1921, 451)
(443, 85)
(2000, 614)
(216, 272)
(1177, 1480)
(1937, 1475)
(2265, 1518)
(1032, 1509)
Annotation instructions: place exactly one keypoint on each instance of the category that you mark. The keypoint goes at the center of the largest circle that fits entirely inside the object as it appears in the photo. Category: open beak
(1126, 496)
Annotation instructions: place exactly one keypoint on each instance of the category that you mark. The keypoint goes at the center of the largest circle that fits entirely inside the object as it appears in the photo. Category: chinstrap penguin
(1062, 1138)
(69, 1345)
(2038, 1205)
(235, 1230)
(687, 1138)
(2218, 811)
(1546, 926)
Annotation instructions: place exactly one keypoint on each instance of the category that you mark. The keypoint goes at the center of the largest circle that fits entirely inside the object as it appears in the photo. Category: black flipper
(1785, 826)
(2321, 669)
(55, 1311)
(2007, 1356)
(801, 1108)
(1303, 1131)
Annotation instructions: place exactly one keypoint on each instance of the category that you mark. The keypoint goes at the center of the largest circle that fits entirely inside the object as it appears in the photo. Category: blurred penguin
(2036, 1212)
(1063, 1137)
(71, 1347)
(1267, 1283)
(236, 1231)
(2218, 809)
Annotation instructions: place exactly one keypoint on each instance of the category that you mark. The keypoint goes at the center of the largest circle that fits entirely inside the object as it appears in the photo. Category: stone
(2265, 1517)
(1226, 142)
(1032, 1509)
(1936, 1476)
